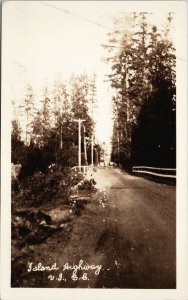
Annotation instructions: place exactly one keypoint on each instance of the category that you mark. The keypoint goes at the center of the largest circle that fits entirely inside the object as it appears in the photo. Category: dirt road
(125, 237)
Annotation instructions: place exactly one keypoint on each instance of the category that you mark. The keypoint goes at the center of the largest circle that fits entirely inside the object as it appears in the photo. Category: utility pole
(61, 132)
(92, 150)
(85, 147)
(79, 141)
(92, 108)
(61, 139)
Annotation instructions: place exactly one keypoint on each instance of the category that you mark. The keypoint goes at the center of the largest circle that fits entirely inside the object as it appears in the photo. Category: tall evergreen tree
(28, 112)
(143, 68)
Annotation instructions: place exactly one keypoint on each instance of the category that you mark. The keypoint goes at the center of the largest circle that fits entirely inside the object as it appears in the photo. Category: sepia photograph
(91, 91)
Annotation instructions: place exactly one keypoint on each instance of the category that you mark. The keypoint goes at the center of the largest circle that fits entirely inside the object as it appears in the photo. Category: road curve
(129, 229)
(143, 223)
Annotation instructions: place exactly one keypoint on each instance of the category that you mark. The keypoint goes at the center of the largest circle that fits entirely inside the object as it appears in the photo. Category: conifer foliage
(143, 76)
(49, 131)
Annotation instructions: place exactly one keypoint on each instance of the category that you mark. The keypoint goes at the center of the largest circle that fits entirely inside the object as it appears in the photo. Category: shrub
(43, 188)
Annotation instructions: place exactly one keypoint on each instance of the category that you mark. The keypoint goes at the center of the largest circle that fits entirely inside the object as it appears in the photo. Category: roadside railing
(165, 174)
(82, 169)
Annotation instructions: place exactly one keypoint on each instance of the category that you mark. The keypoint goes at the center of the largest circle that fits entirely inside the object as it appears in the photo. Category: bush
(43, 188)
(87, 184)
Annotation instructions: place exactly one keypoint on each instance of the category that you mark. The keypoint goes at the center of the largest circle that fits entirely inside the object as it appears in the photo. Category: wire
(87, 20)
(75, 15)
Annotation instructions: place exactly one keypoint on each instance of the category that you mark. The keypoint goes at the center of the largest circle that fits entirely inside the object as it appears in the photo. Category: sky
(42, 40)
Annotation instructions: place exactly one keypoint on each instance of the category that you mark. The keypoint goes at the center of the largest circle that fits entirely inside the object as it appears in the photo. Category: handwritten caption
(77, 271)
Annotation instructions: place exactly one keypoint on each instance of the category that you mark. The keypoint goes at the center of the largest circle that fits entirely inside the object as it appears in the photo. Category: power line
(87, 20)
(75, 15)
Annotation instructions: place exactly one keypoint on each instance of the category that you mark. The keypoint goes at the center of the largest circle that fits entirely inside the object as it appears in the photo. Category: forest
(143, 76)
(44, 139)
(49, 131)
(54, 134)
(45, 129)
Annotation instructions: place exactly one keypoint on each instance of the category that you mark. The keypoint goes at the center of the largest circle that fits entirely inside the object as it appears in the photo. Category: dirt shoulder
(122, 235)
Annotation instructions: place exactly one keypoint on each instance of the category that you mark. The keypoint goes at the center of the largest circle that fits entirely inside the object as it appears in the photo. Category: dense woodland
(47, 134)
(143, 76)
(142, 59)
(48, 194)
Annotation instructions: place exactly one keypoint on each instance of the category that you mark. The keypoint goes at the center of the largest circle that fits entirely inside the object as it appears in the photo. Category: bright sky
(41, 42)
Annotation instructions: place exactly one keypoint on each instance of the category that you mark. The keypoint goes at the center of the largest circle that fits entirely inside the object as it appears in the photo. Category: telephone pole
(61, 132)
(92, 150)
(79, 141)
(85, 146)
(61, 139)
